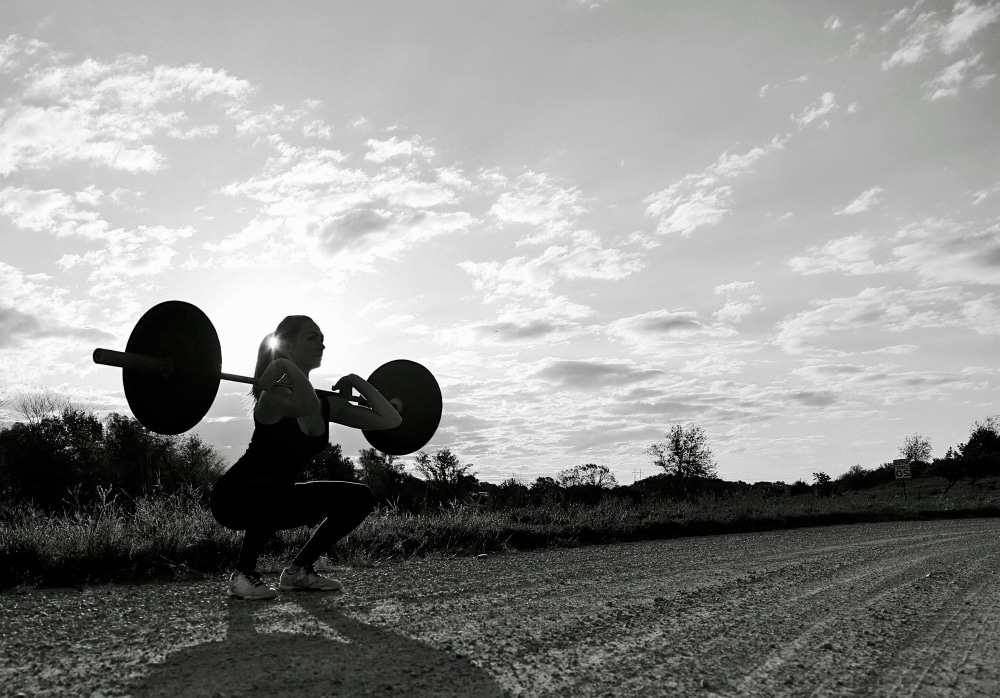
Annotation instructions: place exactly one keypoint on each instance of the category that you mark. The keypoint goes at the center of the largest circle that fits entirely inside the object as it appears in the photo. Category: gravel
(876, 610)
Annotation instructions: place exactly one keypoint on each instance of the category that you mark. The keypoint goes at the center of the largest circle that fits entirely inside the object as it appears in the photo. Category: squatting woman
(260, 493)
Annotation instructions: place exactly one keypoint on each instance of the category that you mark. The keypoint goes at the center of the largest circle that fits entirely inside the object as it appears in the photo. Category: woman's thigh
(274, 504)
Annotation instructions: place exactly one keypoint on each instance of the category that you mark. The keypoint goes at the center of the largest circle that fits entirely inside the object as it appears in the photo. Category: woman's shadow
(301, 646)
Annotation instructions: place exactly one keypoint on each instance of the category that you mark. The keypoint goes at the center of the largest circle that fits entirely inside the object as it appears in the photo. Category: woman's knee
(368, 499)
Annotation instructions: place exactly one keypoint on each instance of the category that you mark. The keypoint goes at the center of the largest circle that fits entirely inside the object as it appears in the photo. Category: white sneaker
(244, 586)
(306, 579)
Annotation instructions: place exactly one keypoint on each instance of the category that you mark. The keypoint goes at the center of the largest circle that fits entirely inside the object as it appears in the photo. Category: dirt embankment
(877, 610)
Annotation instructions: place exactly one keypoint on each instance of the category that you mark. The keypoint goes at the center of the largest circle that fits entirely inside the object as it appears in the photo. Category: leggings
(262, 506)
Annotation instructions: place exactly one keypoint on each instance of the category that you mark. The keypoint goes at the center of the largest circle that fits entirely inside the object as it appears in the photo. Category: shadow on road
(301, 646)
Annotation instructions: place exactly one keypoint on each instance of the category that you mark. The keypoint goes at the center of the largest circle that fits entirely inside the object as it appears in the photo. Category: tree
(330, 464)
(980, 455)
(591, 474)
(36, 405)
(685, 453)
(445, 474)
(916, 448)
(824, 484)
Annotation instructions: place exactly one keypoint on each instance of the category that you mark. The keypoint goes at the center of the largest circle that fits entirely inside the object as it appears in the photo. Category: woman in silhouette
(260, 493)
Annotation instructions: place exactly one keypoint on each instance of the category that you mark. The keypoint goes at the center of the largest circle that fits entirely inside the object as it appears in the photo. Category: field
(175, 537)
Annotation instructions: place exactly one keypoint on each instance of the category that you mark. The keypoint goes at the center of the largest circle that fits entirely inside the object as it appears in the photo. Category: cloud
(32, 308)
(703, 199)
(967, 19)
(943, 251)
(128, 255)
(832, 23)
(17, 327)
(948, 83)
(53, 211)
(852, 255)
(669, 332)
(536, 276)
(827, 104)
(862, 203)
(814, 398)
(928, 32)
(849, 325)
(885, 383)
(594, 374)
(733, 287)
(536, 200)
(105, 113)
(331, 214)
(380, 151)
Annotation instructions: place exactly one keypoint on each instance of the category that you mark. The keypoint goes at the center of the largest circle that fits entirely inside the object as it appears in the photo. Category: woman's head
(296, 338)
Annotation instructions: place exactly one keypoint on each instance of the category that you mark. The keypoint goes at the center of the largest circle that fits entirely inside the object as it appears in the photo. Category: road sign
(902, 466)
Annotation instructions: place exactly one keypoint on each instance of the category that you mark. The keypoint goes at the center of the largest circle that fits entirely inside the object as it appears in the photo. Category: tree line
(63, 452)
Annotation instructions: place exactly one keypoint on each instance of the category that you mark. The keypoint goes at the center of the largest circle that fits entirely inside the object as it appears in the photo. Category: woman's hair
(272, 346)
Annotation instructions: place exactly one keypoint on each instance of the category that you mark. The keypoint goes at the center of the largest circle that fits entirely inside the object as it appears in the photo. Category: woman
(259, 493)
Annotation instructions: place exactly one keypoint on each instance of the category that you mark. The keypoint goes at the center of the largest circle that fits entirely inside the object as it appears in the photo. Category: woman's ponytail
(265, 355)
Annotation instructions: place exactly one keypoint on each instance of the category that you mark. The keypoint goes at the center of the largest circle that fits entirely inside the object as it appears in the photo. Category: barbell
(172, 368)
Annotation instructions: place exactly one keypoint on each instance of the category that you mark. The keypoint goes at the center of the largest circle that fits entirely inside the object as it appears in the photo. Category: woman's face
(306, 350)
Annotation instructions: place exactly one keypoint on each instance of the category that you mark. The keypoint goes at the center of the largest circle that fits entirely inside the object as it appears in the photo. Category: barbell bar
(172, 367)
(165, 367)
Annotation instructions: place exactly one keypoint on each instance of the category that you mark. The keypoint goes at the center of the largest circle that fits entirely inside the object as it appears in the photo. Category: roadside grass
(175, 536)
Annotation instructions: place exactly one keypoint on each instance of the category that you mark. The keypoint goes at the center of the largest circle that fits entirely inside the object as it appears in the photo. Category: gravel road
(903, 609)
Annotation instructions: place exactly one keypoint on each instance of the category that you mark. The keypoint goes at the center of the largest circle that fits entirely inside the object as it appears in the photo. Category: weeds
(174, 535)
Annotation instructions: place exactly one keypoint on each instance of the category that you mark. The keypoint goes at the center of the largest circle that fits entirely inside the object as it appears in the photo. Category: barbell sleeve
(134, 362)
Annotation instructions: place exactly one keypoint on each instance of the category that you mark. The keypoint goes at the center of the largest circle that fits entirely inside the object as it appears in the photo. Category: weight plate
(174, 403)
(420, 394)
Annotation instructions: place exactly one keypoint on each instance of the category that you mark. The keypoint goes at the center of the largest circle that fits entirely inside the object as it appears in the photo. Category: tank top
(282, 449)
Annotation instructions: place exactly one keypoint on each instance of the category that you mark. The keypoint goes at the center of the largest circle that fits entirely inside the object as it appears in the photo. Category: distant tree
(589, 474)
(381, 472)
(916, 448)
(36, 405)
(445, 474)
(980, 455)
(855, 478)
(684, 453)
(545, 490)
(46, 459)
(330, 464)
(510, 493)
(824, 485)
(798, 487)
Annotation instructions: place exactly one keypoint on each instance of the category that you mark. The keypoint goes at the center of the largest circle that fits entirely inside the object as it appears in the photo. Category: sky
(778, 221)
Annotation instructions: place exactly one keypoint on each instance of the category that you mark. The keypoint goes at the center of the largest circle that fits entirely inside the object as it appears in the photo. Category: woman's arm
(379, 414)
(293, 397)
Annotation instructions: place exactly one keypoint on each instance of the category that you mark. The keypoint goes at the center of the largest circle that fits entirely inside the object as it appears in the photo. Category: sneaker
(250, 586)
(306, 579)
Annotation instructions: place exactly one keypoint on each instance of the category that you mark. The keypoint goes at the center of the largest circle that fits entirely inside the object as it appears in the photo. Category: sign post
(903, 471)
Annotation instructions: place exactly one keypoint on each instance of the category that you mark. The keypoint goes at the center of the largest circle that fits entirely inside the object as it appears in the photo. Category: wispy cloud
(850, 255)
(827, 104)
(948, 83)
(862, 203)
(929, 32)
(704, 198)
(535, 200)
(875, 317)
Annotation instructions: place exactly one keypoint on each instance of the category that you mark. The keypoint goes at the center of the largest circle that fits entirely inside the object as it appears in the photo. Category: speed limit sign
(902, 468)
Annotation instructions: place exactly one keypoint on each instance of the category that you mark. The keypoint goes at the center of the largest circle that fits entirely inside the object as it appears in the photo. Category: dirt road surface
(903, 609)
